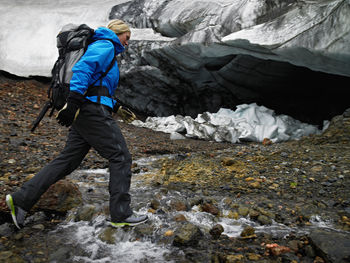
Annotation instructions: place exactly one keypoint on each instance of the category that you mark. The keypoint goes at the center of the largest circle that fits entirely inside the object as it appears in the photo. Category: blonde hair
(118, 26)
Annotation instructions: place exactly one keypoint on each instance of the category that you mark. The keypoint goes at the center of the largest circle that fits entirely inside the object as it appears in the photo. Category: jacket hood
(105, 33)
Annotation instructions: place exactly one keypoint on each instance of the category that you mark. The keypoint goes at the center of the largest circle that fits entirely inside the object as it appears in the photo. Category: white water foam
(125, 249)
(93, 171)
(135, 251)
(317, 221)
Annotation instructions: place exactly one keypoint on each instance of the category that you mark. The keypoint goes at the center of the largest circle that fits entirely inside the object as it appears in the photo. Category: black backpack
(72, 42)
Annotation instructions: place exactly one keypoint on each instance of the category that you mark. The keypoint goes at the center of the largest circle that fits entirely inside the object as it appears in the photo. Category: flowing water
(83, 239)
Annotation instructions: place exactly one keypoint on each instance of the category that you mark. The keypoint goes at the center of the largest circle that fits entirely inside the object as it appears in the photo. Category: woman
(89, 113)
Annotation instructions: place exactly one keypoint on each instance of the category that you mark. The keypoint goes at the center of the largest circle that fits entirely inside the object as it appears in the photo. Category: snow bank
(249, 122)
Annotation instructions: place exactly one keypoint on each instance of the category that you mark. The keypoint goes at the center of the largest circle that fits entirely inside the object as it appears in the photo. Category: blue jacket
(94, 62)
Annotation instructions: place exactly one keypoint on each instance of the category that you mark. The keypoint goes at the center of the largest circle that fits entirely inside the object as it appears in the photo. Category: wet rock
(39, 227)
(62, 254)
(331, 245)
(85, 213)
(108, 235)
(228, 201)
(264, 220)
(253, 214)
(196, 200)
(144, 230)
(193, 255)
(39, 216)
(210, 208)
(61, 197)
(155, 204)
(307, 211)
(150, 210)
(179, 205)
(243, 210)
(187, 235)
(216, 231)
(169, 233)
(234, 258)
(160, 212)
(294, 245)
(180, 218)
(248, 232)
(309, 251)
(233, 215)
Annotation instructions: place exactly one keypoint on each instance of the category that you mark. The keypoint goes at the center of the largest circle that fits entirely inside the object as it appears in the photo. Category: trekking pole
(42, 113)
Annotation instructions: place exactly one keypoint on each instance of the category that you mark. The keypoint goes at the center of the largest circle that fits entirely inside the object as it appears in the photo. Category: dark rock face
(333, 246)
(295, 71)
(296, 91)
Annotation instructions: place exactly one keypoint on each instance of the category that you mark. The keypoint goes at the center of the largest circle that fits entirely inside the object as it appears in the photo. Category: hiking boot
(17, 213)
(132, 220)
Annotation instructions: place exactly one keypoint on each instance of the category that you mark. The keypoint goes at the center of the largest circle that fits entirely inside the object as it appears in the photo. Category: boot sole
(122, 224)
(9, 202)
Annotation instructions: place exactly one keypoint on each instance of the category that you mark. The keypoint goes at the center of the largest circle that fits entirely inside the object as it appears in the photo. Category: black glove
(70, 110)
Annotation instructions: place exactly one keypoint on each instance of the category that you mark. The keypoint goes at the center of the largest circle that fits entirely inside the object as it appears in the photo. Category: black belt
(98, 91)
(109, 109)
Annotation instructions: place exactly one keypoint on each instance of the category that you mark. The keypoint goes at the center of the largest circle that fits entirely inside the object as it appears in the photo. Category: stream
(95, 241)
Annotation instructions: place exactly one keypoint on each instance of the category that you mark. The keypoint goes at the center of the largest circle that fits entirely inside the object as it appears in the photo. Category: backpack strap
(101, 90)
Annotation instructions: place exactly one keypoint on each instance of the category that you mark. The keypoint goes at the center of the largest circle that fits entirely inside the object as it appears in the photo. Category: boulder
(334, 246)
(187, 235)
(60, 197)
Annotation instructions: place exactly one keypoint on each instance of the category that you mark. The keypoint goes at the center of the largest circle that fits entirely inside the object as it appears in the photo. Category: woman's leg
(68, 160)
(98, 127)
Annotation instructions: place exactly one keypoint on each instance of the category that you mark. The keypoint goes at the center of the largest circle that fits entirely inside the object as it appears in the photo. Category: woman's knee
(122, 156)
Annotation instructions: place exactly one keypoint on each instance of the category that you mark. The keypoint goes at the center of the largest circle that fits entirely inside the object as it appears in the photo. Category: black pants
(94, 127)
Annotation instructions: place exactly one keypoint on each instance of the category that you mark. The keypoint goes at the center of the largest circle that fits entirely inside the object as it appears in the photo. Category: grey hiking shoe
(132, 220)
(17, 213)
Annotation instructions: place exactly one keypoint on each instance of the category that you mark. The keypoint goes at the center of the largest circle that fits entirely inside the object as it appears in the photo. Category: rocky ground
(288, 183)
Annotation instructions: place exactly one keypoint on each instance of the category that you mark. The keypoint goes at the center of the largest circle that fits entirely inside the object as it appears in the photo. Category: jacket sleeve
(95, 61)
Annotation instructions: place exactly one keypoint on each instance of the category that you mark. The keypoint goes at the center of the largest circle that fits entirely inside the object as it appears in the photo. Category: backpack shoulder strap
(101, 90)
(103, 74)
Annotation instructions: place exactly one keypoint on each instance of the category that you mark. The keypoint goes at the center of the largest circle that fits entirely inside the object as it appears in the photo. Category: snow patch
(249, 122)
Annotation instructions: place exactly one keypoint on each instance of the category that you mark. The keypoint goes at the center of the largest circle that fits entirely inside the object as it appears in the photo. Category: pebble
(38, 227)
(169, 233)
(284, 154)
(216, 231)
